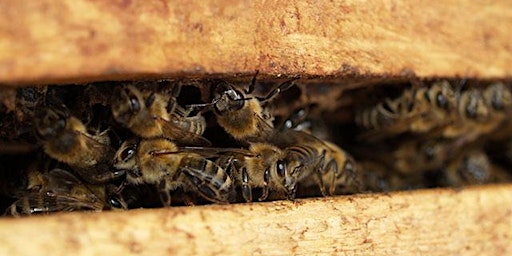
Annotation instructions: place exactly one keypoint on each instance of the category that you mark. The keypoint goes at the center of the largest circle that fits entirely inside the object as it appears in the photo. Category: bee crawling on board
(66, 139)
(162, 163)
(337, 171)
(61, 191)
(150, 114)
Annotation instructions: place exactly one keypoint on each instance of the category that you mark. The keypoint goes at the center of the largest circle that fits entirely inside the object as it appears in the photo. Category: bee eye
(281, 168)
(134, 104)
(349, 166)
(496, 102)
(441, 100)
(127, 153)
(430, 153)
(150, 100)
(114, 202)
(427, 97)
(471, 110)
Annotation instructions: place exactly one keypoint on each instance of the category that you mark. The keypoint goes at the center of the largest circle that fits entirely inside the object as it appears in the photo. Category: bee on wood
(261, 167)
(162, 163)
(153, 115)
(307, 156)
(59, 190)
(339, 175)
(66, 139)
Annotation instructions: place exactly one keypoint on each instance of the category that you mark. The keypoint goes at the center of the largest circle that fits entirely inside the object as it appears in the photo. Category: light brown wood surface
(472, 221)
(76, 40)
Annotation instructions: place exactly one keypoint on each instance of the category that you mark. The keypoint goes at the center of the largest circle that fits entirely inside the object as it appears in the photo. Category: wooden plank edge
(470, 221)
(74, 40)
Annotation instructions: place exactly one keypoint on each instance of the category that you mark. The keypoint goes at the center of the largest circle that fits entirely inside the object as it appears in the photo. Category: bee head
(288, 172)
(126, 103)
(473, 106)
(498, 97)
(125, 158)
(50, 122)
(227, 98)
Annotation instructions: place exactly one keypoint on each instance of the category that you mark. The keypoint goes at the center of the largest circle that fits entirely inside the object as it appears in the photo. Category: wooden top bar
(83, 40)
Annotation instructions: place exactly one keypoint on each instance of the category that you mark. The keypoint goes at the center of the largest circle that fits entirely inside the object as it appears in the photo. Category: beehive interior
(389, 157)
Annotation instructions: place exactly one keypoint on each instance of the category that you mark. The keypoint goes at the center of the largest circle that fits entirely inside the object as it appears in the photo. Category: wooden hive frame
(81, 40)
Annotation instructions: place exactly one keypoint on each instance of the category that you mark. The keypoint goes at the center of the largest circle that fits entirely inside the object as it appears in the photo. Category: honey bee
(472, 168)
(65, 138)
(152, 115)
(160, 162)
(338, 175)
(417, 110)
(62, 191)
(340, 179)
(242, 115)
(261, 167)
(306, 156)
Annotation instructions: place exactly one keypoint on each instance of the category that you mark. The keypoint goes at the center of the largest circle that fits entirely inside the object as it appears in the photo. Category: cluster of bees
(149, 146)
(127, 145)
(442, 134)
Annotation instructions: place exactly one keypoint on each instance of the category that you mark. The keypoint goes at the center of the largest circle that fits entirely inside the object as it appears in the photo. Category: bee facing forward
(243, 115)
(152, 115)
(261, 167)
(162, 163)
(65, 138)
(333, 169)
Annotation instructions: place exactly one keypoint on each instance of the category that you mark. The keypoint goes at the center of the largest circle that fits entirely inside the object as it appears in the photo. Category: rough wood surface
(472, 221)
(72, 40)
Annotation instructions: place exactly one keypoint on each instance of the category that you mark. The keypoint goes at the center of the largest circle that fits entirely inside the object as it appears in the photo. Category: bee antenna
(250, 89)
(202, 105)
(282, 87)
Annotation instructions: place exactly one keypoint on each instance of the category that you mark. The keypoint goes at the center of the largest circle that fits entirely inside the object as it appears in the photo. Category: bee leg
(320, 173)
(105, 177)
(174, 93)
(246, 187)
(332, 166)
(266, 180)
(165, 194)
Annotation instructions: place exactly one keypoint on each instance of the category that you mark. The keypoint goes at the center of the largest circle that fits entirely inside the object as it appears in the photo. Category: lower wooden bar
(471, 221)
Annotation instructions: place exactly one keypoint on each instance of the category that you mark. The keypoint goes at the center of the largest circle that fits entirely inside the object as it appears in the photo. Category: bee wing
(47, 202)
(208, 152)
(172, 130)
(207, 185)
(60, 180)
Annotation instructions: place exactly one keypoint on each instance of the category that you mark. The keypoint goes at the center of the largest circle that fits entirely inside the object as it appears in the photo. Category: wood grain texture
(77, 40)
(472, 221)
